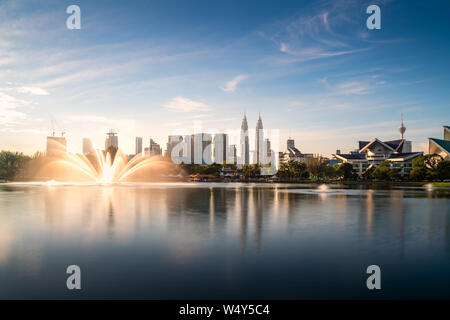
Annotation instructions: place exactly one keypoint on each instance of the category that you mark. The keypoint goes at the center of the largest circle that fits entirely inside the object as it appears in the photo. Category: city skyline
(314, 71)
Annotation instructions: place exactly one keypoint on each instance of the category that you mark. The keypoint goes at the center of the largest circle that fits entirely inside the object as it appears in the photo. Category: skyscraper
(56, 146)
(173, 142)
(201, 148)
(155, 149)
(220, 148)
(259, 136)
(138, 145)
(231, 154)
(88, 148)
(245, 155)
(111, 140)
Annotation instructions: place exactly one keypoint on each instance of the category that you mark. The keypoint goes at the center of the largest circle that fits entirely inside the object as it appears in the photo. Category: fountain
(323, 188)
(102, 168)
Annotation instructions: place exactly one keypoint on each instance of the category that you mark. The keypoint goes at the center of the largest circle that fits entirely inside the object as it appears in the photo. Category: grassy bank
(441, 184)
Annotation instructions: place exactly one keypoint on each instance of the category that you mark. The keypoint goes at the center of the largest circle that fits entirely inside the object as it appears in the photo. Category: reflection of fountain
(103, 168)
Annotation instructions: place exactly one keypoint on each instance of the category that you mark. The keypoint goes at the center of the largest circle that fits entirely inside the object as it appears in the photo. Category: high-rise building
(259, 140)
(267, 150)
(201, 152)
(231, 154)
(174, 141)
(56, 146)
(244, 143)
(155, 149)
(220, 148)
(138, 145)
(88, 147)
(111, 140)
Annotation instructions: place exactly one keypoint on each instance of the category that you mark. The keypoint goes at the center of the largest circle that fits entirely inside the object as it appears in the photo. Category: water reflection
(185, 229)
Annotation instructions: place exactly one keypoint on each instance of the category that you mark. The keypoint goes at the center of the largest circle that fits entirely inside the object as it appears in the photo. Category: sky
(312, 69)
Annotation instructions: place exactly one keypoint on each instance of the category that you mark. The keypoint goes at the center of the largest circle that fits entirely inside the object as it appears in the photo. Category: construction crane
(54, 124)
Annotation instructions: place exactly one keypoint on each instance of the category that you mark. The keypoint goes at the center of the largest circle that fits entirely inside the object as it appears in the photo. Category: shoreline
(311, 182)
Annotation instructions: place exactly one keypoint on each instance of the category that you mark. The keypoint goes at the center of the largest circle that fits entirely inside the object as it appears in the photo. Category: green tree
(251, 170)
(345, 171)
(443, 170)
(425, 167)
(384, 172)
(11, 163)
(316, 166)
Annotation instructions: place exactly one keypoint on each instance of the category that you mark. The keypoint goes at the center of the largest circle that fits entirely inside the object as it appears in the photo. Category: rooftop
(444, 144)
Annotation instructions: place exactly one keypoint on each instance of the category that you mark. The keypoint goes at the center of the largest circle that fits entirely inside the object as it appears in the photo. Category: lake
(223, 241)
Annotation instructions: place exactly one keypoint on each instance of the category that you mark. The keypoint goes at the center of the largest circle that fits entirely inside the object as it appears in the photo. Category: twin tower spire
(244, 142)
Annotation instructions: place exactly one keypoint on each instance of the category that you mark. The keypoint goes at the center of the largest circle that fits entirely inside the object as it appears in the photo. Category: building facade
(440, 146)
(88, 147)
(244, 143)
(155, 149)
(371, 153)
(138, 149)
(56, 146)
(259, 141)
(111, 140)
(220, 147)
(173, 142)
(292, 153)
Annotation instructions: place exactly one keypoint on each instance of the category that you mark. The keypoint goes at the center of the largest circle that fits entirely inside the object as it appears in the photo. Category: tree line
(431, 167)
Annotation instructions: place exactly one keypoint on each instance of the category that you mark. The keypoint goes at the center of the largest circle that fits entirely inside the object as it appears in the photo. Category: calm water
(223, 241)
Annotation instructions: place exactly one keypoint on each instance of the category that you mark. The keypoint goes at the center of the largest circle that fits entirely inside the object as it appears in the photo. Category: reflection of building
(56, 146)
(220, 148)
(138, 145)
(293, 154)
(440, 147)
(88, 147)
(371, 153)
(155, 149)
(111, 140)
(244, 143)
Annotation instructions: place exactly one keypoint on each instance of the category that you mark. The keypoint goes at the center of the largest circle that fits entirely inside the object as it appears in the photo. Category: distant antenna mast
(402, 128)
(54, 125)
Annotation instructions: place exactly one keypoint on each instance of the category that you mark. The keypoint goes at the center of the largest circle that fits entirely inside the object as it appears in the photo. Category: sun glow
(104, 168)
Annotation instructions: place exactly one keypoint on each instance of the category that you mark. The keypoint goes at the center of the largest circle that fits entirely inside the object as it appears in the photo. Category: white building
(220, 147)
(371, 153)
(292, 153)
(259, 141)
(244, 143)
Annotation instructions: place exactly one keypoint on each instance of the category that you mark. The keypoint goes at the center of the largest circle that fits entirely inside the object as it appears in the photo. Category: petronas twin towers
(244, 142)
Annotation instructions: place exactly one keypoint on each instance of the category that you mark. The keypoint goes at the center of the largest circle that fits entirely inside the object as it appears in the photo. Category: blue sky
(151, 68)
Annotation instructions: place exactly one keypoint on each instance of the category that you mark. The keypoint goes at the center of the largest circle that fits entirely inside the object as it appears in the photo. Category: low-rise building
(292, 153)
(371, 153)
(440, 146)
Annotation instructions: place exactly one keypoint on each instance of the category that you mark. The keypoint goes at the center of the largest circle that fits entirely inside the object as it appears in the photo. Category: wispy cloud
(232, 84)
(316, 33)
(8, 105)
(33, 90)
(180, 104)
